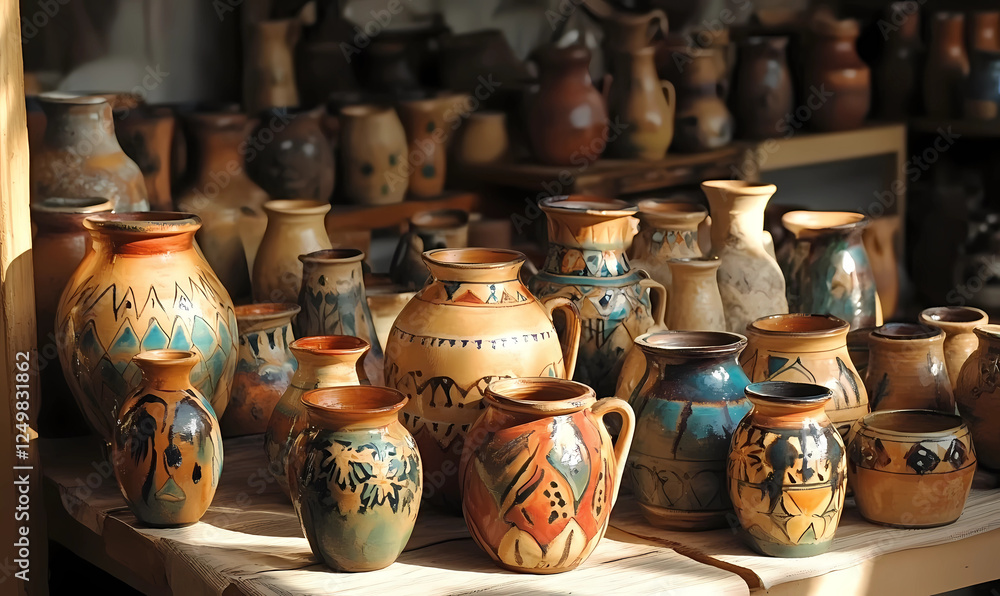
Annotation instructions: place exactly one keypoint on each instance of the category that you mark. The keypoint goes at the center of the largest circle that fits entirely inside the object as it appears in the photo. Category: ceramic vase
(959, 324)
(695, 303)
(906, 369)
(429, 124)
(947, 66)
(385, 301)
(983, 31)
(450, 341)
(982, 95)
(978, 397)
(289, 156)
(268, 68)
(702, 120)
(764, 93)
(144, 286)
(322, 361)
(787, 470)
(668, 229)
(642, 104)
(897, 72)
(167, 449)
(355, 477)
(429, 230)
(293, 228)
(540, 473)
(145, 135)
(630, 31)
(373, 156)
(836, 76)
(687, 403)
(482, 139)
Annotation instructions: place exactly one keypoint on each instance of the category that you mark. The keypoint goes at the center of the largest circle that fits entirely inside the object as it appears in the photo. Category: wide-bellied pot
(911, 468)
(355, 477)
(167, 449)
(289, 156)
(473, 323)
(978, 396)
(787, 470)
(429, 230)
(906, 369)
(827, 270)
(586, 263)
(144, 286)
(687, 403)
(429, 124)
(373, 154)
(293, 228)
(668, 229)
(764, 93)
(482, 138)
(694, 301)
(322, 361)
(946, 67)
(264, 366)
(540, 473)
(959, 325)
(836, 76)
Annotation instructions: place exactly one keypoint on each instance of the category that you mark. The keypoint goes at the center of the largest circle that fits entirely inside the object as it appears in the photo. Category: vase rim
(263, 311)
(953, 314)
(740, 186)
(702, 262)
(799, 325)
(72, 205)
(166, 357)
(789, 393)
(296, 207)
(71, 99)
(592, 205)
(823, 221)
(906, 332)
(691, 343)
(144, 222)
(988, 332)
(474, 258)
(354, 400)
(331, 344)
(925, 424)
(671, 209)
(540, 395)
(334, 255)
(358, 110)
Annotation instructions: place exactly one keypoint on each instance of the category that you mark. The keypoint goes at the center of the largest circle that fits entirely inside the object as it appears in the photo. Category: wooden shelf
(352, 217)
(979, 129)
(814, 148)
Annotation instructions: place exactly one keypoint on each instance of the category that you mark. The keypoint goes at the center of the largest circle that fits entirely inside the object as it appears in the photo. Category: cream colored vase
(694, 302)
(668, 229)
(293, 228)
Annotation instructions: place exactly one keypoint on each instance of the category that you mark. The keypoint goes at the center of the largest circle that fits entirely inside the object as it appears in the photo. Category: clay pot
(686, 410)
(702, 120)
(630, 31)
(982, 97)
(906, 369)
(297, 161)
(355, 477)
(947, 66)
(982, 31)
(836, 76)
(642, 104)
(880, 245)
(437, 350)
(911, 468)
(268, 69)
(144, 286)
(429, 230)
(482, 138)
(959, 324)
(857, 347)
(264, 366)
(668, 229)
(545, 441)
(385, 302)
(750, 281)
(787, 470)
(372, 156)
(897, 73)
(145, 135)
(81, 158)
(586, 263)
(977, 396)
(567, 118)
(694, 302)
(167, 450)
(764, 93)
(229, 204)
(293, 228)
(429, 124)
(323, 361)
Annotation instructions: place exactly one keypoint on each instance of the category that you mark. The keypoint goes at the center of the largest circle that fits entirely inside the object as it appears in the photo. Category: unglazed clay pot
(81, 158)
(947, 66)
(787, 470)
(836, 76)
(959, 324)
(323, 361)
(750, 281)
(694, 302)
(668, 229)
(373, 154)
(702, 121)
(268, 69)
(806, 348)
(687, 403)
(897, 72)
(540, 473)
(429, 230)
(631, 31)
(482, 139)
(764, 93)
(906, 369)
(145, 135)
(428, 124)
(911, 468)
(167, 450)
(355, 477)
(979, 398)
(289, 156)
(293, 228)
(144, 286)
(983, 31)
(473, 323)
(643, 104)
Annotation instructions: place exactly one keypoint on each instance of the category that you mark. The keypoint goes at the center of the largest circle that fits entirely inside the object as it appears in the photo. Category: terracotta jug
(355, 477)
(983, 31)
(694, 302)
(702, 120)
(880, 244)
(322, 361)
(787, 471)
(297, 161)
(642, 104)
(145, 135)
(750, 281)
(144, 286)
(982, 95)
(836, 76)
(906, 369)
(268, 70)
(80, 156)
(630, 31)
(540, 473)
(764, 93)
(947, 66)
(167, 450)
(482, 138)
(668, 229)
(429, 124)
(449, 342)
(687, 402)
(567, 118)
(978, 398)
(959, 324)
(373, 155)
(429, 230)
(897, 80)
(293, 228)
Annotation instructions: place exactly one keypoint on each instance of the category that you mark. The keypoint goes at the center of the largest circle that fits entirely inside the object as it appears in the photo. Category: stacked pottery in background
(373, 154)
(429, 230)
(835, 76)
(947, 66)
(297, 163)
(668, 229)
(145, 135)
(897, 75)
(429, 124)
(906, 369)
(702, 120)
(978, 395)
(293, 228)
(764, 93)
(959, 324)
(482, 139)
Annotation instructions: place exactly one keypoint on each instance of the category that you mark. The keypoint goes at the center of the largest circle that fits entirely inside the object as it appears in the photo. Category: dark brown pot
(897, 71)
(982, 31)
(764, 92)
(289, 156)
(833, 66)
(947, 66)
(146, 135)
(702, 121)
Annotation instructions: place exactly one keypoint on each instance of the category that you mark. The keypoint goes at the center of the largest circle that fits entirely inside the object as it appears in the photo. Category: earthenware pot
(959, 324)
(978, 397)
(911, 468)
(268, 69)
(947, 66)
(787, 470)
(297, 161)
(144, 286)
(668, 229)
(694, 302)
(631, 31)
(540, 473)
(293, 228)
(145, 135)
(702, 121)
(429, 124)
(322, 361)
(450, 341)
(80, 156)
(764, 93)
(642, 104)
(373, 155)
(897, 72)
(482, 138)
(429, 230)
(687, 404)
(836, 76)
(167, 450)
(906, 369)
(982, 97)
(983, 31)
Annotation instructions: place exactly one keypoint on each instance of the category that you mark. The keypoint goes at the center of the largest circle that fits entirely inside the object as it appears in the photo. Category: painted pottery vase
(880, 245)
(264, 366)
(355, 477)
(293, 228)
(373, 155)
(333, 302)
(947, 66)
(482, 138)
(586, 263)
(906, 369)
(836, 76)
(429, 124)
(429, 230)
(808, 348)
(979, 398)
(80, 156)
(668, 229)
(567, 117)
(982, 32)
(702, 120)
(144, 286)
(473, 323)
(297, 163)
(787, 470)
(750, 280)
(911, 468)
(322, 361)
(687, 404)
(540, 473)
(145, 135)
(385, 302)
(764, 92)
(982, 95)
(167, 450)
(268, 67)
(959, 325)
(897, 74)
(642, 104)
(826, 269)
(695, 303)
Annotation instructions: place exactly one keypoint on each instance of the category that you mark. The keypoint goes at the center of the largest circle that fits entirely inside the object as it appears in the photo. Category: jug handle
(658, 300)
(660, 18)
(671, 93)
(572, 345)
(602, 408)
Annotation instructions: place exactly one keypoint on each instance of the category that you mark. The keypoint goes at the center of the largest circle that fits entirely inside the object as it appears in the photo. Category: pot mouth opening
(359, 110)
(338, 344)
(296, 207)
(70, 205)
(144, 222)
(266, 309)
(797, 221)
(954, 314)
(440, 219)
(988, 331)
(165, 356)
(927, 423)
(670, 207)
(750, 188)
(539, 393)
(785, 392)
(703, 343)
(905, 331)
(474, 258)
(704, 262)
(588, 204)
(67, 98)
(333, 255)
(354, 399)
(800, 325)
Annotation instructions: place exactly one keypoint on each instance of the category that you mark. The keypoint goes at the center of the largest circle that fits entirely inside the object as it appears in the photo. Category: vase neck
(742, 217)
(638, 63)
(586, 244)
(141, 244)
(166, 370)
(774, 414)
(218, 143)
(689, 275)
(82, 129)
(324, 371)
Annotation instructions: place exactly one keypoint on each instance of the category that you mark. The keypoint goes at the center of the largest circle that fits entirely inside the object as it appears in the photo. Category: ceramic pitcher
(269, 72)
(764, 92)
(978, 397)
(293, 228)
(906, 369)
(703, 121)
(643, 104)
(429, 230)
(959, 325)
(668, 229)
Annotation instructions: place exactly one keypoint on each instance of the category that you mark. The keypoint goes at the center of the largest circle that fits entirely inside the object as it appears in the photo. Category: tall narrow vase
(668, 229)
(694, 301)
(959, 324)
(293, 228)
(836, 76)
